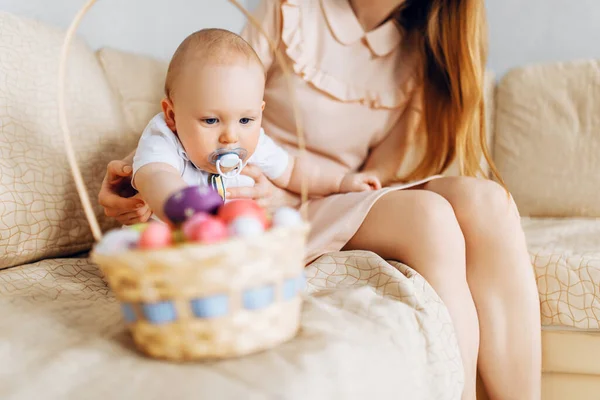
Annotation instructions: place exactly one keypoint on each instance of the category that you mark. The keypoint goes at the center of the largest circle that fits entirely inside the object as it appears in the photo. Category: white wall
(152, 27)
(531, 31)
(521, 31)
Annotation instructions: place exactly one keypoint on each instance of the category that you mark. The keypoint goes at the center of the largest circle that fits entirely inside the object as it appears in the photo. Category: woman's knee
(428, 220)
(480, 205)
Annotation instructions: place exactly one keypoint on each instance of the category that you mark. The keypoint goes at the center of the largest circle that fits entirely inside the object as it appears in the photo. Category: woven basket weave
(229, 299)
(196, 301)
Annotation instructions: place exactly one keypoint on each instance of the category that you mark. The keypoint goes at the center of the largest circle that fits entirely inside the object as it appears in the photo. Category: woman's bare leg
(420, 229)
(503, 285)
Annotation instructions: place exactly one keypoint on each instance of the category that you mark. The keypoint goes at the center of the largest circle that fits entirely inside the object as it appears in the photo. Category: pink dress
(354, 89)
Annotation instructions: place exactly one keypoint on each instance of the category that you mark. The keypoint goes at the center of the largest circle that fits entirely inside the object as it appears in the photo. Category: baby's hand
(359, 182)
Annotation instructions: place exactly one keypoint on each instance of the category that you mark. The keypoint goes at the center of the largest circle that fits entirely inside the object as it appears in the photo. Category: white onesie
(159, 144)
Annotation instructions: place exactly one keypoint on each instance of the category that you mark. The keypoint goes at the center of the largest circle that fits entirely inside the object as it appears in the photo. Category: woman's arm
(395, 151)
(323, 178)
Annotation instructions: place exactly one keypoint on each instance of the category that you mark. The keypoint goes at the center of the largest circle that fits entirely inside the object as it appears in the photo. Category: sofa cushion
(138, 81)
(40, 212)
(548, 138)
(368, 329)
(566, 257)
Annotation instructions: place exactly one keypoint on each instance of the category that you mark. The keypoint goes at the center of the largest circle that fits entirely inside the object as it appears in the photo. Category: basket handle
(76, 172)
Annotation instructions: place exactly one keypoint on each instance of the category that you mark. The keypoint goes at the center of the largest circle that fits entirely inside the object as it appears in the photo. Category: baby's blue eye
(211, 121)
(245, 121)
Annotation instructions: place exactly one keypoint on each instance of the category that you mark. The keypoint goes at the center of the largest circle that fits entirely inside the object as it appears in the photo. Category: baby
(210, 128)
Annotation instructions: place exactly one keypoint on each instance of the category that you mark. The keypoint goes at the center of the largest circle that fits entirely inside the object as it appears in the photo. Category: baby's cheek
(199, 149)
(251, 141)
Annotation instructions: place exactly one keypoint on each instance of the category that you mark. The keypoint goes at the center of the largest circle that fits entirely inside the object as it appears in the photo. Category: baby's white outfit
(159, 144)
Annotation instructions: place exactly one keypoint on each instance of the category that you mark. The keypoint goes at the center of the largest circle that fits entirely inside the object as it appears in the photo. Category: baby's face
(218, 107)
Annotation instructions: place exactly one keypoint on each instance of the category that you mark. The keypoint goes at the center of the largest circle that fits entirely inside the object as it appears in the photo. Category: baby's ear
(167, 107)
(262, 108)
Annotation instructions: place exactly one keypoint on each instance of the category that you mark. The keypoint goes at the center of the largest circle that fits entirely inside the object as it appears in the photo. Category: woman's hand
(266, 194)
(359, 182)
(118, 198)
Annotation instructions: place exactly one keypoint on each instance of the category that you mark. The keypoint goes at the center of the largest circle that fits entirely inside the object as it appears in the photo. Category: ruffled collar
(347, 29)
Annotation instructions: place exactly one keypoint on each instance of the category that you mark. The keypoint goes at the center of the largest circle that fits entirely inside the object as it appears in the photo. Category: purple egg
(191, 200)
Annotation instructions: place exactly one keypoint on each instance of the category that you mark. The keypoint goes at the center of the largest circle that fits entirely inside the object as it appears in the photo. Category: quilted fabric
(370, 329)
(548, 138)
(40, 212)
(566, 257)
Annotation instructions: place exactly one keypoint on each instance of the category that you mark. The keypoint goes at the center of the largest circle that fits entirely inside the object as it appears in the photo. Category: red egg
(211, 230)
(242, 207)
(155, 236)
(189, 227)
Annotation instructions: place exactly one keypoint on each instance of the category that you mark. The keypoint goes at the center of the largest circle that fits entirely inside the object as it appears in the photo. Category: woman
(375, 78)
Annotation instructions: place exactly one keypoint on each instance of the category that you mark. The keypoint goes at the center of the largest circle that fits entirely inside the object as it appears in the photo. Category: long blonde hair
(452, 39)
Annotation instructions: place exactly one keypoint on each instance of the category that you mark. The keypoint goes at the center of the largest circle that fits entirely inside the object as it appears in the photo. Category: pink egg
(155, 236)
(242, 207)
(189, 227)
(211, 230)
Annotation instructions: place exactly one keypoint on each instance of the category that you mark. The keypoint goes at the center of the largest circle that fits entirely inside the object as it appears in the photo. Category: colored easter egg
(211, 230)
(246, 226)
(192, 200)
(286, 217)
(157, 235)
(138, 227)
(242, 207)
(117, 241)
(189, 227)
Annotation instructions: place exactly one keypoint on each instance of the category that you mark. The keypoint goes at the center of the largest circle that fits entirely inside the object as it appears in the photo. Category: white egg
(286, 216)
(246, 226)
(117, 241)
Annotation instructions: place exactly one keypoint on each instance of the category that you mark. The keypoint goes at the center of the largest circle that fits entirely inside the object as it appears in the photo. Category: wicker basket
(195, 301)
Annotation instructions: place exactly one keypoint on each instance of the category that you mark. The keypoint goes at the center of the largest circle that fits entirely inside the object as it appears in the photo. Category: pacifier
(228, 158)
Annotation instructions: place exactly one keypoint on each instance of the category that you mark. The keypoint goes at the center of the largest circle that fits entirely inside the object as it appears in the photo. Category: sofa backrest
(138, 82)
(40, 212)
(547, 138)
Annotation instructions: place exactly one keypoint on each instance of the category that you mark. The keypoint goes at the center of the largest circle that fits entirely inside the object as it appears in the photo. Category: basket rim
(303, 227)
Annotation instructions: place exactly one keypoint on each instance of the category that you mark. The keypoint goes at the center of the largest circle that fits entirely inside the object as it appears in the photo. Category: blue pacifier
(230, 159)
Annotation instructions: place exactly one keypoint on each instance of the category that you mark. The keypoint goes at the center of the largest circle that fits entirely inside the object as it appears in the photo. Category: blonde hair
(452, 38)
(218, 46)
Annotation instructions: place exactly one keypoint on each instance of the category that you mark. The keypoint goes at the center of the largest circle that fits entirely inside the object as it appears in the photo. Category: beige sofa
(370, 328)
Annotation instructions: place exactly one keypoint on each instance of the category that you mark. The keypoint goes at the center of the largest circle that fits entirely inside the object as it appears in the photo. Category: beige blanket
(369, 330)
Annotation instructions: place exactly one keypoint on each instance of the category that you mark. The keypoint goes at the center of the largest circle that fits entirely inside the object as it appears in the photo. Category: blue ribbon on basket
(253, 299)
